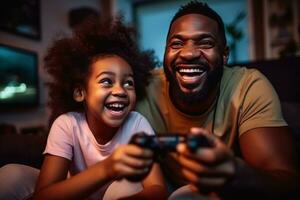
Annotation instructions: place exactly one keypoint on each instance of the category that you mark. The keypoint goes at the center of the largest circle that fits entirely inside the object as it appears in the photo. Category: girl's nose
(119, 91)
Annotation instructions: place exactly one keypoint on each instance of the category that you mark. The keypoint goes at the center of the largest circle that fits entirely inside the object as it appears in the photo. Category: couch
(22, 148)
(283, 74)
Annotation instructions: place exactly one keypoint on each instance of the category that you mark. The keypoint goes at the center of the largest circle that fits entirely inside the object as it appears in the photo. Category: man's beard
(213, 78)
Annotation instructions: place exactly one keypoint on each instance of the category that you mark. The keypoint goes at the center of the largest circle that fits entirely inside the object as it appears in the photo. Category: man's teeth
(191, 71)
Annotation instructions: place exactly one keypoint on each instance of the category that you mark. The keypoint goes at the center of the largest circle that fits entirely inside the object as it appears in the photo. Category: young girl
(96, 74)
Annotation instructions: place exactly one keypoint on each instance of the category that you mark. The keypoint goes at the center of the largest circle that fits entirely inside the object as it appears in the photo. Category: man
(236, 108)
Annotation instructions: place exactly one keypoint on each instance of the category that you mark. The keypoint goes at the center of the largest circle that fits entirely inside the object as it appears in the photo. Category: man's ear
(226, 55)
(78, 94)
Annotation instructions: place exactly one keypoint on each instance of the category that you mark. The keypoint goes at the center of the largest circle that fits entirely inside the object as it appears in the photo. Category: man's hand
(209, 168)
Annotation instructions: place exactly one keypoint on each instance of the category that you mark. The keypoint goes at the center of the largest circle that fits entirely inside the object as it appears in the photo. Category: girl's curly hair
(68, 60)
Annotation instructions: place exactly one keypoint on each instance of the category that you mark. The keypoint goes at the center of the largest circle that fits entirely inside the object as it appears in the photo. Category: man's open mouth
(190, 76)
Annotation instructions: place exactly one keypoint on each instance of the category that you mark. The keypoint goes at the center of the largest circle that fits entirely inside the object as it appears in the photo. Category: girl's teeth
(115, 105)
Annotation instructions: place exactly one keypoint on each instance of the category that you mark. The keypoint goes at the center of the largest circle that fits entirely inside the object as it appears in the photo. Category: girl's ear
(78, 94)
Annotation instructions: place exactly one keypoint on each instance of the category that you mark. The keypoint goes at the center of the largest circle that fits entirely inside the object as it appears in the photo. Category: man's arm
(267, 169)
(270, 165)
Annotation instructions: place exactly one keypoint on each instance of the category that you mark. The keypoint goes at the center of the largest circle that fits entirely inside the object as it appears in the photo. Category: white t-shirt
(71, 138)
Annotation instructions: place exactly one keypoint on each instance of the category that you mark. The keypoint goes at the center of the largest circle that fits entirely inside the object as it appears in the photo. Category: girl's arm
(53, 183)
(154, 186)
(125, 161)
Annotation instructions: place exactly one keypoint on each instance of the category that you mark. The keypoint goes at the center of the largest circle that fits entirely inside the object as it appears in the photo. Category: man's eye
(129, 83)
(206, 44)
(176, 44)
(105, 82)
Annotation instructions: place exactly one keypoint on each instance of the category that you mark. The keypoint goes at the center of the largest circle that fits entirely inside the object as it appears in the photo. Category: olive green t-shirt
(246, 101)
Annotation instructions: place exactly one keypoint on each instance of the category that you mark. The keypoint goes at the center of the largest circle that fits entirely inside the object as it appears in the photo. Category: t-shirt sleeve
(260, 105)
(144, 126)
(59, 142)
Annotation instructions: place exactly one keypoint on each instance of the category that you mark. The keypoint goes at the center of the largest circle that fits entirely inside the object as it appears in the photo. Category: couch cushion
(23, 149)
(291, 113)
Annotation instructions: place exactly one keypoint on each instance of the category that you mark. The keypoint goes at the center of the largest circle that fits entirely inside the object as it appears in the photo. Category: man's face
(193, 60)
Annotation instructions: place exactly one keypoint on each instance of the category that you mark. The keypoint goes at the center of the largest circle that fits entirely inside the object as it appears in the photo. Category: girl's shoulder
(135, 116)
(136, 122)
(69, 119)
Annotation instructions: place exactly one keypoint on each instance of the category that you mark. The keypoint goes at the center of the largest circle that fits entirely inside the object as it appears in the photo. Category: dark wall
(284, 74)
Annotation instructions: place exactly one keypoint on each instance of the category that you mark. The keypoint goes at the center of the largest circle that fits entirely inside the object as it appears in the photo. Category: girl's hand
(129, 161)
(209, 168)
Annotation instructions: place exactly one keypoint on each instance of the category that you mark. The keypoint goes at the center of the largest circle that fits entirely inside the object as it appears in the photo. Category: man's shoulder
(155, 97)
(158, 76)
(241, 71)
(237, 81)
(158, 71)
(241, 74)
(157, 82)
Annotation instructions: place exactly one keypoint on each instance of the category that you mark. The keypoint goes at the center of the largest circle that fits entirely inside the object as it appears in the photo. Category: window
(152, 19)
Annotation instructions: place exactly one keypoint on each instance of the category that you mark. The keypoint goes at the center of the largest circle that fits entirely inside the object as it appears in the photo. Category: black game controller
(168, 142)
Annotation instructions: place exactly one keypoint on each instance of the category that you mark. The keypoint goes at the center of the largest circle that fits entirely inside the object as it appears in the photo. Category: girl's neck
(101, 131)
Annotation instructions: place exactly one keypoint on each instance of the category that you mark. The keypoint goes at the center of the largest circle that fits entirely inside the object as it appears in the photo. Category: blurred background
(257, 30)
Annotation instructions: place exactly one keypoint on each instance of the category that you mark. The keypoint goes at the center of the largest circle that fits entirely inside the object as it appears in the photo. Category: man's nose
(190, 52)
(118, 90)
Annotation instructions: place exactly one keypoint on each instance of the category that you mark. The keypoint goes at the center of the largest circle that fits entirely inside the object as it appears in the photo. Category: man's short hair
(196, 7)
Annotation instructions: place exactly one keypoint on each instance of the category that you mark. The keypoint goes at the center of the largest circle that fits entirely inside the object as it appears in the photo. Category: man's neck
(196, 108)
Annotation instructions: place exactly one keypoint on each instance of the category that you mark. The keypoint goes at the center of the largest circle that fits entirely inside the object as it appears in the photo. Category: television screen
(18, 78)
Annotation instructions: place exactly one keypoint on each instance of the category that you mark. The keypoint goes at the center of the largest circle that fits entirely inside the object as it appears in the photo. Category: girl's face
(110, 93)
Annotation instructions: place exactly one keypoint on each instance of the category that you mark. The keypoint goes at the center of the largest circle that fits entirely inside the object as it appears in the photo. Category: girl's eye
(105, 82)
(129, 84)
